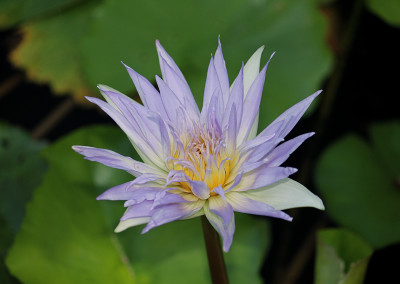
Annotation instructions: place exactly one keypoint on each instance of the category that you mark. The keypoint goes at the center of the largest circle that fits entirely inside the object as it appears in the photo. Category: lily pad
(22, 169)
(68, 236)
(83, 45)
(359, 184)
(388, 10)
(342, 257)
(13, 12)
(126, 30)
(48, 51)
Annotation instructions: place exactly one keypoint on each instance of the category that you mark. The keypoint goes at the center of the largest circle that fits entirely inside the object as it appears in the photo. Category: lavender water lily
(209, 162)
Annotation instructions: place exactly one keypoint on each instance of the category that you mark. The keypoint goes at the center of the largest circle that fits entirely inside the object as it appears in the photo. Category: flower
(196, 163)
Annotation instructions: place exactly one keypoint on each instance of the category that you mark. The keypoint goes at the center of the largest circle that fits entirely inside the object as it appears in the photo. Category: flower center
(201, 155)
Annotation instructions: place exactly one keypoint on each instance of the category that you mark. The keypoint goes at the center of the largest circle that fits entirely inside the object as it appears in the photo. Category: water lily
(209, 162)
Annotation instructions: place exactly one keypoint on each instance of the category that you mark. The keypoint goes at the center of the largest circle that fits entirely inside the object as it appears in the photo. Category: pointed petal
(123, 225)
(241, 203)
(251, 69)
(165, 57)
(108, 158)
(222, 73)
(262, 177)
(235, 100)
(145, 151)
(181, 89)
(291, 116)
(171, 212)
(142, 209)
(212, 84)
(283, 151)
(225, 229)
(200, 189)
(148, 94)
(130, 191)
(251, 105)
(286, 194)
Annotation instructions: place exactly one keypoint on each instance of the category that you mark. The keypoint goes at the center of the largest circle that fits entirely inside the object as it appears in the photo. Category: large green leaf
(126, 30)
(359, 184)
(388, 10)
(49, 52)
(21, 171)
(82, 46)
(15, 11)
(67, 236)
(342, 257)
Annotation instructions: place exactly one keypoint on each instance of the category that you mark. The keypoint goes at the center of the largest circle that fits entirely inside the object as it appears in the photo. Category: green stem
(214, 253)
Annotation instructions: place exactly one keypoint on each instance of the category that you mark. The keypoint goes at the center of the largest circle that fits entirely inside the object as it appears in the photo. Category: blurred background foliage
(55, 52)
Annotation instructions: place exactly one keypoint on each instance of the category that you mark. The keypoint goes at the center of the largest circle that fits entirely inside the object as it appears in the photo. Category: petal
(123, 225)
(243, 204)
(165, 57)
(108, 158)
(291, 116)
(145, 151)
(262, 177)
(254, 128)
(225, 229)
(212, 86)
(169, 99)
(170, 198)
(222, 73)
(200, 189)
(286, 194)
(130, 191)
(171, 212)
(221, 208)
(251, 105)
(148, 94)
(235, 100)
(252, 69)
(177, 83)
(283, 151)
(142, 209)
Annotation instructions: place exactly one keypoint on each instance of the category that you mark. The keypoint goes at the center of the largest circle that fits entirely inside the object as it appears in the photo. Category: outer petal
(241, 203)
(108, 158)
(142, 209)
(125, 224)
(251, 105)
(262, 177)
(148, 94)
(171, 212)
(224, 225)
(283, 151)
(176, 81)
(222, 73)
(286, 194)
(291, 116)
(130, 191)
(140, 144)
(200, 189)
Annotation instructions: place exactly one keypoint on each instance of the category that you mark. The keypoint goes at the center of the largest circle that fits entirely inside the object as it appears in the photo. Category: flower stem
(214, 254)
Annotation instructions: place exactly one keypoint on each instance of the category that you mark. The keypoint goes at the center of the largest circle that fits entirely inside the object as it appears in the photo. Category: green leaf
(13, 12)
(388, 10)
(385, 140)
(68, 236)
(82, 46)
(358, 186)
(49, 54)
(21, 171)
(342, 257)
(126, 30)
